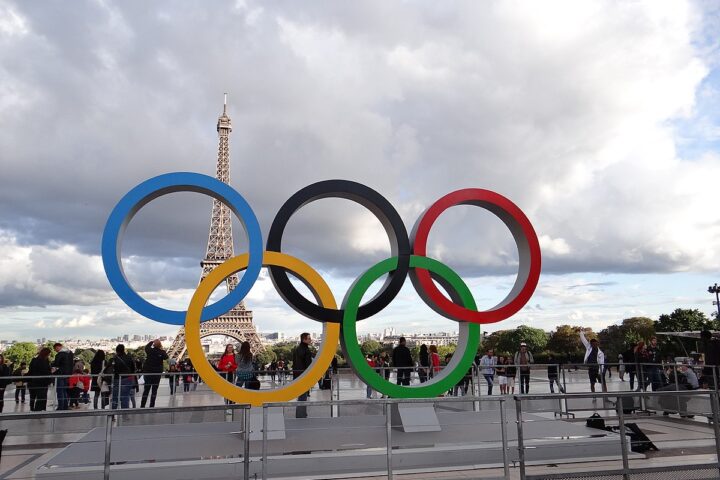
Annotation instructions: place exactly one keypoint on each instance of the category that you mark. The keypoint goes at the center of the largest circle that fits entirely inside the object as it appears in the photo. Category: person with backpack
(97, 365)
(123, 373)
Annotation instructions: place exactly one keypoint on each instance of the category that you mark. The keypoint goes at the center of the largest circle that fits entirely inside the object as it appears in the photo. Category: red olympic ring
(528, 252)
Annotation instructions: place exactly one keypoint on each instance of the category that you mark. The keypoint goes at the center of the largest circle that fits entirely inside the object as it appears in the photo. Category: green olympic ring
(469, 333)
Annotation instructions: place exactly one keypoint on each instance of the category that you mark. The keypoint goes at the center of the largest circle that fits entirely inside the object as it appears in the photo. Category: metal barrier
(700, 402)
(626, 471)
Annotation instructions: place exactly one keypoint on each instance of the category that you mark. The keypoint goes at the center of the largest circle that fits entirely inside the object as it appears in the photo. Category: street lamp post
(716, 290)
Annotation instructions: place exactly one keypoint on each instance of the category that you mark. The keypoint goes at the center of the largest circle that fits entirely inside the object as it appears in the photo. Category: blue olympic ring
(156, 187)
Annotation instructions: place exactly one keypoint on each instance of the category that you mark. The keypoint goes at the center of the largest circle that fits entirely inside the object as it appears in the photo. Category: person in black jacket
(39, 380)
(153, 368)
(123, 368)
(4, 380)
(62, 365)
(96, 368)
(403, 362)
(302, 358)
(424, 361)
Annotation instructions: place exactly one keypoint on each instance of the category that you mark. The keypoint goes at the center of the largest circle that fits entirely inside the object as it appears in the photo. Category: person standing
(62, 365)
(152, 368)
(640, 367)
(4, 380)
(403, 362)
(523, 359)
(384, 365)
(122, 385)
(96, 367)
(629, 362)
(487, 368)
(424, 363)
(245, 368)
(621, 367)
(511, 371)
(552, 371)
(172, 377)
(369, 393)
(434, 361)
(501, 372)
(595, 360)
(20, 386)
(39, 373)
(302, 358)
(655, 368)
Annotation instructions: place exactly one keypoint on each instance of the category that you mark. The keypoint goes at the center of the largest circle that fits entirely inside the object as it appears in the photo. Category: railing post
(108, 440)
(246, 453)
(503, 432)
(264, 441)
(677, 389)
(714, 403)
(623, 439)
(521, 443)
(388, 438)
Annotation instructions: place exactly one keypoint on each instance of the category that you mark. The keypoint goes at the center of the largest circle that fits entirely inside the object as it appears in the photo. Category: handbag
(80, 384)
(254, 383)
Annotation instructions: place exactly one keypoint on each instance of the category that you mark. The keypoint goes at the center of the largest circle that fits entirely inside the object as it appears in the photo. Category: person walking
(523, 360)
(63, 366)
(595, 360)
(96, 367)
(172, 376)
(487, 368)
(245, 367)
(552, 371)
(155, 355)
(39, 379)
(403, 362)
(301, 360)
(123, 385)
(640, 367)
(20, 385)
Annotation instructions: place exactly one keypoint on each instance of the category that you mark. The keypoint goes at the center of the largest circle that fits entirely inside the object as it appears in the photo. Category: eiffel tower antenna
(237, 323)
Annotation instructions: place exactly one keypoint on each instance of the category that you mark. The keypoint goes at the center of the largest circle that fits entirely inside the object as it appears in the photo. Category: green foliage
(371, 347)
(266, 356)
(508, 341)
(682, 319)
(284, 350)
(85, 355)
(20, 352)
(565, 344)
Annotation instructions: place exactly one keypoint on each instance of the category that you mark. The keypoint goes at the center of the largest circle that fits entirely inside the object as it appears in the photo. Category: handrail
(120, 411)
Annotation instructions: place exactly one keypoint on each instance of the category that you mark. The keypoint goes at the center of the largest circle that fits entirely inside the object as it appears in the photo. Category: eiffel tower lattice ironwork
(237, 323)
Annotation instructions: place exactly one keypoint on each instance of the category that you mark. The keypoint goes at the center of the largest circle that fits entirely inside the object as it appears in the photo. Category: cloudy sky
(599, 119)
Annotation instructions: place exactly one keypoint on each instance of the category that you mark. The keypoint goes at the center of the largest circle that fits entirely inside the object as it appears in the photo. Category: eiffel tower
(237, 323)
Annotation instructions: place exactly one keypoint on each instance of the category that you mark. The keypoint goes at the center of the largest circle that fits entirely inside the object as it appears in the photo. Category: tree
(565, 341)
(508, 341)
(20, 352)
(371, 347)
(637, 328)
(265, 356)
(683, 319)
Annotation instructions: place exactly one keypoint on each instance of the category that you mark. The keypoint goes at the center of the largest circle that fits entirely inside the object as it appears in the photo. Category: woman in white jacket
(595, 360)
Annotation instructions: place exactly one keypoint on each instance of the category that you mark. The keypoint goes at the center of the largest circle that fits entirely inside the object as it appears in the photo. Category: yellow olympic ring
(302, 384)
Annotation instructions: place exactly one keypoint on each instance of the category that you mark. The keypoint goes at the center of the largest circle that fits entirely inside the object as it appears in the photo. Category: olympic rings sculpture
(408, 258)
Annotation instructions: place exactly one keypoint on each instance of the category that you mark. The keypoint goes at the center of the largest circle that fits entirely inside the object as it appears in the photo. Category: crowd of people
(115, 380)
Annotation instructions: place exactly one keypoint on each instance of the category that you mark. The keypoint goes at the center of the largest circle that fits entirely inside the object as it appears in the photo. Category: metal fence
(518, 454)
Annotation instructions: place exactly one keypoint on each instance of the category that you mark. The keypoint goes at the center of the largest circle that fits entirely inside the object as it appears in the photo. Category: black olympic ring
(381, 208)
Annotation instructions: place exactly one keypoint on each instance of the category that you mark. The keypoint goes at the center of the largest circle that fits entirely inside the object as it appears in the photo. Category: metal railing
(520, 403)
